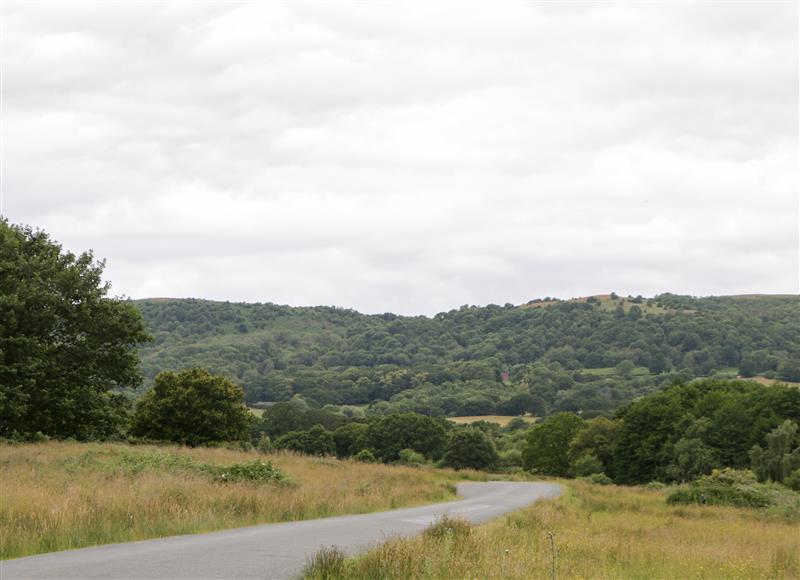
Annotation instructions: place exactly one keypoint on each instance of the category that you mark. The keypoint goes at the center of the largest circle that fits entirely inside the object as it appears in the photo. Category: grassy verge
(598, 532)
(58, 496)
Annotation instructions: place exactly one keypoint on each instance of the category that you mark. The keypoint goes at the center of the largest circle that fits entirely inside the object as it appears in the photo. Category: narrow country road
(273, 550)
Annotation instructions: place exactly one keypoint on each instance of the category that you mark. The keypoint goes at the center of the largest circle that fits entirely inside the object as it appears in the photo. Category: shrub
(411, 457)
(470, 449)
(255, 470)
(598, 478)
(739, 496)
(365, 456)
(792, 481)
(264, 444)
(315, 441)
(588, 465)
(192, 407)
(328, 562)
(447, 527)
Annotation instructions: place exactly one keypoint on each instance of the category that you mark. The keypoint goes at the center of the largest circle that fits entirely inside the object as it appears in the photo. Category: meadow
(597, 532)
(64, 495)
(501, 420)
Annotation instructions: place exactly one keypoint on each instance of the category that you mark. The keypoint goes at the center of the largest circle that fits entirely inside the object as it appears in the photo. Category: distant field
(501, 420)
(766, 381)
(60, 496)
(256, 412)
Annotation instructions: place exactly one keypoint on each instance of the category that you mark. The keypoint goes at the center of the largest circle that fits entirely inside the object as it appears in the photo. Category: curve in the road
(273, 550)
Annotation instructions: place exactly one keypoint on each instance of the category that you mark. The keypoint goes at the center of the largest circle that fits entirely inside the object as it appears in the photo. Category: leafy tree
(522, 403)
(470, 449)
(192, 407)
(315, 441)
(595, 438)
(726, 418)
(789, 371)
(411, 458)
(350, 439)
(587, 465)
(782, 455)
(282, 418)
(548, 443)
(692, 458)
(388, 435)
(65, 347)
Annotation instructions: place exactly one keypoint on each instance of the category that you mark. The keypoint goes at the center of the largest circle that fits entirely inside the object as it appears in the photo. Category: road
(273, 550)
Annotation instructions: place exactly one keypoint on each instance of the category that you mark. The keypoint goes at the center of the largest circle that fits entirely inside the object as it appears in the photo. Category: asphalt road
(274, 550)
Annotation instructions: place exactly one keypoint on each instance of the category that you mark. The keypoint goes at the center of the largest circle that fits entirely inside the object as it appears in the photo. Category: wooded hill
(585, 355)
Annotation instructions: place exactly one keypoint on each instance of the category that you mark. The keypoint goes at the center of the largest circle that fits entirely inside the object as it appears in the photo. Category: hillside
(590, 354)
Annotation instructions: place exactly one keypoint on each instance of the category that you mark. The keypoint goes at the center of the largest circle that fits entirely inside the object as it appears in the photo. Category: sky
(408, 156)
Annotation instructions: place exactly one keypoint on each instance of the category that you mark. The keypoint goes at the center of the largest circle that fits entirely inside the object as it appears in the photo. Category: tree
(596, 438)
(192, 407)
(548, 444)
(470, 449)
(389, 434)
(315, 441)
(350, 439)
(782, 455)
(66, 349)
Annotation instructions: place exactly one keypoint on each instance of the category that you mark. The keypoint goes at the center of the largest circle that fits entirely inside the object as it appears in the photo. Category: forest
(588, 356)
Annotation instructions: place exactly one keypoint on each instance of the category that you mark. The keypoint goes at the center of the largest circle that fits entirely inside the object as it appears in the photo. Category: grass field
(501, 420)
(766, 381)
(598, 532)
(57, 496)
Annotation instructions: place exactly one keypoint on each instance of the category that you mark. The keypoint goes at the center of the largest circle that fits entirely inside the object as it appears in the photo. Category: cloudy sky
(408, 156)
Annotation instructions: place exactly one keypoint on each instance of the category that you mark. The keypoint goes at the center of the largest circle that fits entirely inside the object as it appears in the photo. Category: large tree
(548, 443)
(470, 449)
(66, 348)
(193, 407)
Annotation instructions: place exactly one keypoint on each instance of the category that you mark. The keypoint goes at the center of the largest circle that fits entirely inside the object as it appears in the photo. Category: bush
(588, 465)
(315, 441)
(255, 470)
(326, 563)
(598, 478)
(411, 457)
(739, 496)
(264, 444)
(735, 487)
(447, 527)
(192, 407)
(365, 456)
(470, 449)
(793, 480)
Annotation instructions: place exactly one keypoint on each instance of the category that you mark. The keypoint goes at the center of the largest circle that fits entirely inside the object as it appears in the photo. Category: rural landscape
(399, 290)
(670, 422)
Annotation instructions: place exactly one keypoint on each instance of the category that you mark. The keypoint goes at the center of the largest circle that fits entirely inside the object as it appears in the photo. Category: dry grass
(501, 420)
(600, 532)
(766, 381)
(57, 496)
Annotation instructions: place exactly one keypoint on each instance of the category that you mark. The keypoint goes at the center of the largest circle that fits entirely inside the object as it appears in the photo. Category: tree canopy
(66, 348)
(543, 357)
(192, 407)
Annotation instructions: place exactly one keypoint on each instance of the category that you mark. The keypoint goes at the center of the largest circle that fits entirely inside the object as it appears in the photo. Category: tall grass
(599, 532)
(57, 496)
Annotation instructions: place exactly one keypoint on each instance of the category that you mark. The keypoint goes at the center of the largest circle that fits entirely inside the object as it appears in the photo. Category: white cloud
(409, 156)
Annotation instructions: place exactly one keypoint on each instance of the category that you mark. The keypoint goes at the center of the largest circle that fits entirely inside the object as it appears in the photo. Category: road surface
(273, 550)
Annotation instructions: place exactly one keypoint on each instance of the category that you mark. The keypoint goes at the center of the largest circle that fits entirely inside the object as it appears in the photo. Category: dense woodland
(588, 356)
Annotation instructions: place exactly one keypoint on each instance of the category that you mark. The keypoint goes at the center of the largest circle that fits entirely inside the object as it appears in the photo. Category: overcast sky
(408, 156)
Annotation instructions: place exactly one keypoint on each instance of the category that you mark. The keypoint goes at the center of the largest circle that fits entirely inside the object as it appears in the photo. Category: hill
(590, 354)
